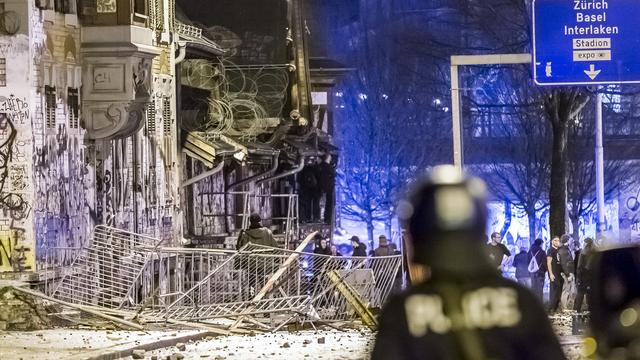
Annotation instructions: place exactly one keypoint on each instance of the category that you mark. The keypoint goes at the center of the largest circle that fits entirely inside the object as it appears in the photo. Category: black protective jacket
(565, 260)
(499, 319)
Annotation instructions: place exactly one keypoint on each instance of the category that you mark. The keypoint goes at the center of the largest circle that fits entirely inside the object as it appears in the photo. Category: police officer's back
(465, 309)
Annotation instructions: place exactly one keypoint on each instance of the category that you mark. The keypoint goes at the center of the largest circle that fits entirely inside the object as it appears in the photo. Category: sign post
(585, 42)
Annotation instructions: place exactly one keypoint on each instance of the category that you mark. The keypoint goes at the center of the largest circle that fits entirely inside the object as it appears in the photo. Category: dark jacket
(417, 322)
(308, 177)
(326, 175)
(360, 250)
(320, 251)
(541, 258)
(584, 268)
(256, 235)
(383, 250)
(566, 260)
(521, 263)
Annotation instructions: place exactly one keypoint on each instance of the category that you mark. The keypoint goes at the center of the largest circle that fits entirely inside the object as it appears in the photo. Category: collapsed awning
(206, 148)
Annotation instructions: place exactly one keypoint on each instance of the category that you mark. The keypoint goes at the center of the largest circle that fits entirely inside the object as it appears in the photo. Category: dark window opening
(151, 118)
(166, 116)
(140, 7)
(74, 108)
(50, 106)
(3, 72)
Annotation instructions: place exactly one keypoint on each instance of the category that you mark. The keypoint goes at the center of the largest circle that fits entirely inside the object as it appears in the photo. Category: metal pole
(455, 112)
(463, 60)
(599, 164)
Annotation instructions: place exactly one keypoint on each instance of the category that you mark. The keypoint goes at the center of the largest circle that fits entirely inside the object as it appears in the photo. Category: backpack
(533, 264)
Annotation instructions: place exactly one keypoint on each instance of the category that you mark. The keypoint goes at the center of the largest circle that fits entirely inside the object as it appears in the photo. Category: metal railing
(122, 270)
(56, 259)
(105, 271)
(241, 276)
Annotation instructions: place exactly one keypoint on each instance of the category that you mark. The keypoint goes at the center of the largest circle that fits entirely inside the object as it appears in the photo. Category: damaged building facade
(173, 119)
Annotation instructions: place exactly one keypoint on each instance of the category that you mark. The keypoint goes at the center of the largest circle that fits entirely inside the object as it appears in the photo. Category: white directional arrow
(592, 72)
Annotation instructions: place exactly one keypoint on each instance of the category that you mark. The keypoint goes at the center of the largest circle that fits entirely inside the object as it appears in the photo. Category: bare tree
(561, 107)
(521, 174)
(390, 117)
(581, 185)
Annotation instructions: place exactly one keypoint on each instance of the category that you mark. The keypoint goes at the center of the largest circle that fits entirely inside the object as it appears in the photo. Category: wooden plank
(81, 308)
(276, 276)
(354, 299)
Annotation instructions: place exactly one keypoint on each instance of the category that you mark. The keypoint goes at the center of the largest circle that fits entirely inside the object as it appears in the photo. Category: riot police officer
(464, 309)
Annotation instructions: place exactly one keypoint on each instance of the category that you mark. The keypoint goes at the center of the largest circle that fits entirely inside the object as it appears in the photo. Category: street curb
(162, 343)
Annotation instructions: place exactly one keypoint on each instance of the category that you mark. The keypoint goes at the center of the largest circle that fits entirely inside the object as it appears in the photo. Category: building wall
(62, 177)
(17, 101)
(55, 183)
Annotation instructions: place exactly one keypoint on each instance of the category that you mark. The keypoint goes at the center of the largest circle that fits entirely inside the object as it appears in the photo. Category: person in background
(326, 172)
(322, 247)
(584, 273)
(521, 263)
(560, 266)
(537, 278)
(359, 249)
(383, 248)
(334, 251)
(497, 250)
(256, 233)
(309, 193)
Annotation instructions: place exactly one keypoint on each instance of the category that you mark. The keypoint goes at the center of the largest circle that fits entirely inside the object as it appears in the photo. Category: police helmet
(444, 206)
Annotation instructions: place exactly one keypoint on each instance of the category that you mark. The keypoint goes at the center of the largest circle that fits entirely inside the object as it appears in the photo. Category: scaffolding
(287, 224)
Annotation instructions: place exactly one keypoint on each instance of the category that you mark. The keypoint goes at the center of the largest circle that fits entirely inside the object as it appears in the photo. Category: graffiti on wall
(106, 6)
(61, 211)
(16, 108)
(12, 203)
(15, 253)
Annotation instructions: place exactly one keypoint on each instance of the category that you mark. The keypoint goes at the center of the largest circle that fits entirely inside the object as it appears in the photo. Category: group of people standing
(315, 181)
(563, 265)
(385, 248)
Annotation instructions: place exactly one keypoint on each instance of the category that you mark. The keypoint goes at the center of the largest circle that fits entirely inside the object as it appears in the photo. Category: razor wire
(243, 98)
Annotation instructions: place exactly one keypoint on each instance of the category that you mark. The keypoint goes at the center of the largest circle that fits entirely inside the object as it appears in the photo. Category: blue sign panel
(586, 42)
